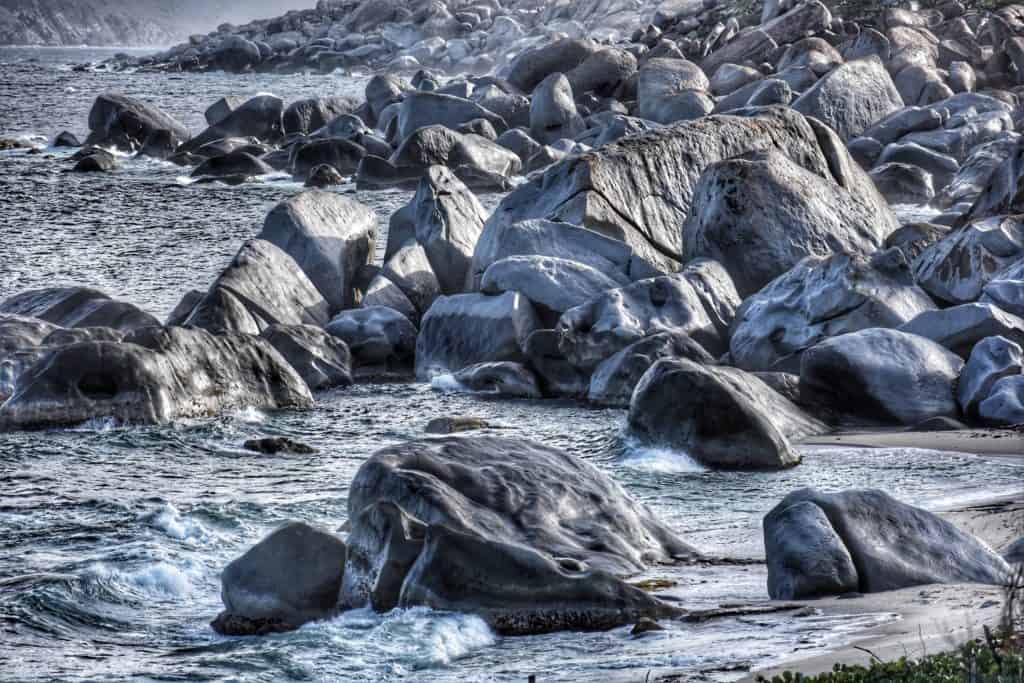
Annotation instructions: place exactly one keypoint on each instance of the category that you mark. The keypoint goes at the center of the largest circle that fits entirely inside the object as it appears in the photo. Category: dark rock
(321, 360)
(66, 139)
(959, 328)
(614, 380)
(338, 153)
(852, 97)
(77, 307)
(125, 123)
(306, 116)
(324, 176)
(903, 183)
(553, 113)
(533, 66)
(272, 445)
(237, 164)
(501, 379)
(455, 425)
(554, 283)
(376, 335)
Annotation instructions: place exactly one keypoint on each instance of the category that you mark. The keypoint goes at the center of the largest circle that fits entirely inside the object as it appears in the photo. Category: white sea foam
(169, 520)
(157, 578)
(659, 459)
(447, 383)
(249, 415)
(97, 424)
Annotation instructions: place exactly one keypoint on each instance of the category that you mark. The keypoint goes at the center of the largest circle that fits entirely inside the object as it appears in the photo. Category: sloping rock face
(154, 376)
(127, 123)
(866, 541)
(819, 299)
(720, 416)
(640, 189)
(852, 97)
(77, 307)
(291, 577)
(322, 360)
(329, 236)
(761, 213)
(884, 375)
(445, 523)
(614, 380)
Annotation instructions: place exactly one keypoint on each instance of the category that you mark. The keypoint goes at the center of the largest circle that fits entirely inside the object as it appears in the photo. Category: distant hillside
(125, 22)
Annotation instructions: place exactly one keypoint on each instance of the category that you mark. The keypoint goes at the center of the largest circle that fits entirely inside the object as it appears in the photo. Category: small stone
(454, 425)
(278, 444)
(645, 625)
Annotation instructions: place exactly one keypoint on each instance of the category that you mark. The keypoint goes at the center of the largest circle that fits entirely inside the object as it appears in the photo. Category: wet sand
(1000, 443)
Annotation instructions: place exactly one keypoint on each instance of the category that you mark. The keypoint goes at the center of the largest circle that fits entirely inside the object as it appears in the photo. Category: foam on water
(155, 579)
(250, 415)
(658, 459)
(170, 521)
(447, 383)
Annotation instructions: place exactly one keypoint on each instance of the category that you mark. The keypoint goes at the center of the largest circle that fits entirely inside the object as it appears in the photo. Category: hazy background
(126, 22)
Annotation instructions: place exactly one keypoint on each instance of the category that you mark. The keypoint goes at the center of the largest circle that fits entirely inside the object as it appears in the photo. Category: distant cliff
(124, 22)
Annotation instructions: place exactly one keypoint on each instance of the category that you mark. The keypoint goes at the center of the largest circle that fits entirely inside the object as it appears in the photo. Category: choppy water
(111, 540)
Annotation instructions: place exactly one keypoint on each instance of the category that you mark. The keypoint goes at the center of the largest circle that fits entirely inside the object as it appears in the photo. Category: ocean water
(112, 538)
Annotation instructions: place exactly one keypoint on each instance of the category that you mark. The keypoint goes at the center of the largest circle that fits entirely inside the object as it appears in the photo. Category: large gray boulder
(614, 380)
(432, 524)
(866, 541)
(260, 117)
(554, 283)
(321, 360)
(602, 73)
(410, 270)
(720, 416)
(311, 114)
(956, 268)
(991, 360)
(1004, 405)
(329, 236)
(466, 329)
(262, 286)
(235, 54)
(531, 67)
(974, 174)
(344, 156)
(1002, 193)
(819, 299)
(499, 379)
(419, 109)
(77, 307)
(885, 375)
(852, 97)
(553, 114)
(126, 123)
(762, 213)
(590, 333)
(477, 161)
(376, 336)
(640, 189)
(291, 577)
(959, 328)
(156, 375)
(661, 81)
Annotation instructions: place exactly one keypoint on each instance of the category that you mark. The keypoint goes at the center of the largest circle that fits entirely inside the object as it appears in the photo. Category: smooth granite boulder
(614, 380)
(884, 375)
(344, 156)
(154, 376)
(235, 54)
(661, 80)
(466, 329)
(476, 161)
(433, 524)
(323, 361)
(262, 286)
(640, 189)
(941, 167)
(720, 416)
(409, 268)
(959, 328)
(975, 172)
(822, 298)
(330, 236)
(531, 67)
(892, 545)
(1006, 291)
(375, 335)
(126, 123)
(590, 333)
(557, 376)
(1003, 192)
(234, 167)
(311, 114)
(602, 73)
(291, 577)
(760, 214)
(805, 555)
(553, 114)
(554, 283)
(1004, 405)
(991, 360)
(500, 379)
(260, 117)
(383, 292)
(852, 97)
(420, 109)
(903, 183)
(77, 307)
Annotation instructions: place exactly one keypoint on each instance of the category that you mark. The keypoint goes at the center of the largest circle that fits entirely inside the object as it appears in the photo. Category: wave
(657, 459)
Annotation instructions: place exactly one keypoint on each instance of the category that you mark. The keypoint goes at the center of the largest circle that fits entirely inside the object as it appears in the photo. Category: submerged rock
(866, 541)
(154, 376)
(720, 416)
(432, 525)
(278, 444)
(501, 379)
(291, 577)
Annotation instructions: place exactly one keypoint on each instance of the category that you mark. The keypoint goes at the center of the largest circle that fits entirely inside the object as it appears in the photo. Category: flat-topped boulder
(866, 541)
(154, 376)
(432, 525)
(720, 416)
(554, 283)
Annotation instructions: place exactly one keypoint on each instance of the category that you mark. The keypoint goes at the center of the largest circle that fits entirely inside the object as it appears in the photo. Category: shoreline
(1005, 444)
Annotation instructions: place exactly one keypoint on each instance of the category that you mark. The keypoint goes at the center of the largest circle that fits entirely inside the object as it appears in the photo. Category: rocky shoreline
(699, 230)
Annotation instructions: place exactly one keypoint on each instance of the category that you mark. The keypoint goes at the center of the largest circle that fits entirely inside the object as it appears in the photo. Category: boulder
(976, 171)
(323, 176)
(323, 361)
(903, 183)
(614, 380)
(338, 153)
(409, 268)
(867, 541)
(531, 67)
(940, 166)
(731, 77)
(884, 375)
(500, 379)
(758, 45)
(432, 524)
(1004, 405)
(238, 166)
(309, 115)
(260, 117)
(156, 375)
(125, 123)
(466, 329)
(235, 54)
(330, 236)
(602, 73)
(905, 121)
(475, 160)
(852, 97)
(291, 577)
(375, 335)
(262, 286)
(819, 299)
(78, 307)
(640, 189)
(959, 328)
(760, 214)
(603, 326)
(991, 360)
(1003, 192)
(720, 416)
(96, 161)
(554, 283)
(660, 81)
(913, 238)
(421, 109)
(553, 114)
